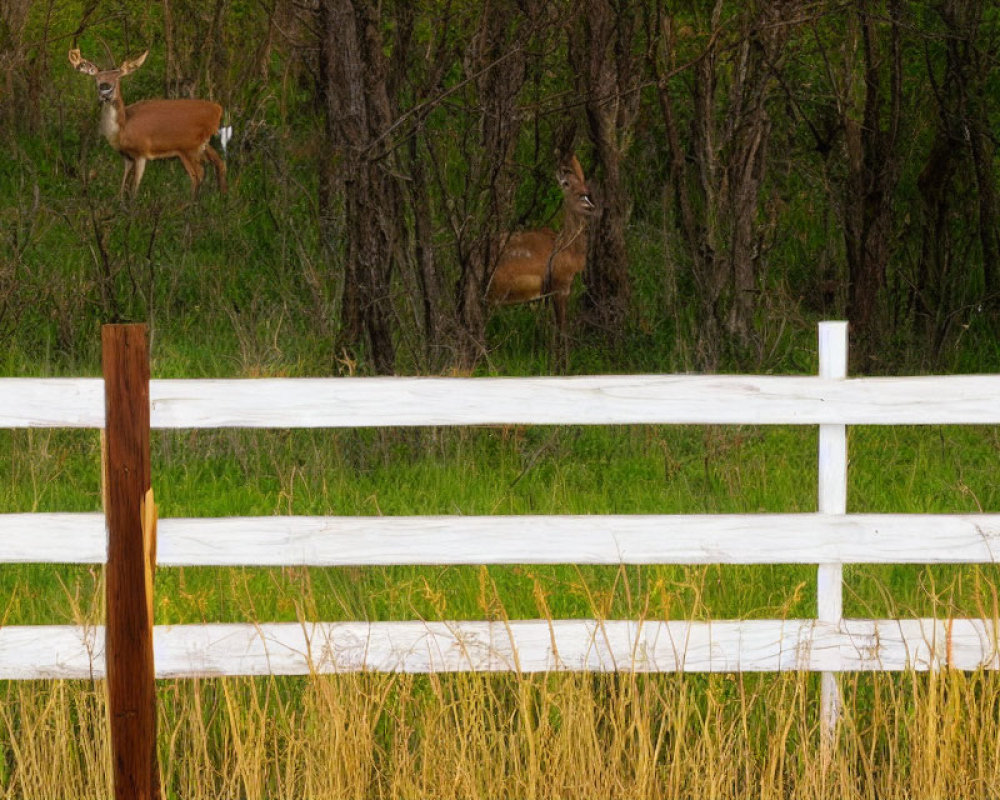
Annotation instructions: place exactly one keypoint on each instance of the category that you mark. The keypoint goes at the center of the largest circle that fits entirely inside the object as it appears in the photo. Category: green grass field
(513, 736)
(523, 470)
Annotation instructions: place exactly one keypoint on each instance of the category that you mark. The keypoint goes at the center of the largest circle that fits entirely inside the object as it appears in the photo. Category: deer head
(107, 79)
(576, 195)
(152, 129)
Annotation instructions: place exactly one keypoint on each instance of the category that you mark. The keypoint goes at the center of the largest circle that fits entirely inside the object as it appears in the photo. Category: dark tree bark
(973, 59)
(935, 279)
(873, 166)
(693, 170)
(749, 139)
(431, 294)
(420, 77)
(957, 185)
(983, 147)
(359, 113)
(497, 61)
(608, 74)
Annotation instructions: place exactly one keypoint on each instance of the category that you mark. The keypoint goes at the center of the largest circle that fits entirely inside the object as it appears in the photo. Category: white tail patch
(225, 137)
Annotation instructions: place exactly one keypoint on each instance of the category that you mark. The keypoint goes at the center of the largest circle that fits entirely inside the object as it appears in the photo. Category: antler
(107, 50)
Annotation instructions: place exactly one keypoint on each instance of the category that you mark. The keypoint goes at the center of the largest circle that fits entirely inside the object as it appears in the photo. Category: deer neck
(572, 238)
(112, 119)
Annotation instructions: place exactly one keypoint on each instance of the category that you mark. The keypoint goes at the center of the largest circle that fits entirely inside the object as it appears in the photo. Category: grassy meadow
(243, 286)
(406, 736)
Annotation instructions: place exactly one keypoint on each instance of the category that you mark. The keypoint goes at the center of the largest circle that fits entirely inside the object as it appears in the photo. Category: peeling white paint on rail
(186, 651)
(51, 402)
(54, 538)
(589, 400)
(578, 539)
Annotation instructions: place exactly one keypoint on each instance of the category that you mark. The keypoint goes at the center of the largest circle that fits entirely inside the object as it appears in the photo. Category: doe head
(574, 187)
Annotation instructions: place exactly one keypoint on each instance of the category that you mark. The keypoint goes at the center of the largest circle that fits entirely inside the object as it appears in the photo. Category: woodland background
(758, 165)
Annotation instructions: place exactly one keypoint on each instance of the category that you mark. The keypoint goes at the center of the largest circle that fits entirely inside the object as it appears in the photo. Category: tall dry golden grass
(906, 735)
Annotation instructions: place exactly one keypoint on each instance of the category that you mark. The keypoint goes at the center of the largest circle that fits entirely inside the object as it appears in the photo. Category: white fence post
(832, 490)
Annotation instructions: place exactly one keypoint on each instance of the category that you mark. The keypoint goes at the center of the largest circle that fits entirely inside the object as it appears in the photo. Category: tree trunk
(601, 54)
(934, 280)
(498, 59)
(358, 113)
(431, 294)
(873, 162)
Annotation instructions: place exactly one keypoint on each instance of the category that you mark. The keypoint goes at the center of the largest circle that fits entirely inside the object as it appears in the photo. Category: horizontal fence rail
(188, 651)
(591, 400)
(828, 644)
(576, 539)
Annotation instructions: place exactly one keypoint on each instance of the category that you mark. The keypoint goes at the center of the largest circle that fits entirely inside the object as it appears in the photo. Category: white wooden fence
(828, 538)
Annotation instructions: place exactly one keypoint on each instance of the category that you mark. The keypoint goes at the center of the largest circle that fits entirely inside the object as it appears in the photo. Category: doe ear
(132, 64)
(572, 164)
(81, 64)
(568, 170)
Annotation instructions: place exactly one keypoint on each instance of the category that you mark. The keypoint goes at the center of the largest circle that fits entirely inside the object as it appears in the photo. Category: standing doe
(541, 263)
(153, 129)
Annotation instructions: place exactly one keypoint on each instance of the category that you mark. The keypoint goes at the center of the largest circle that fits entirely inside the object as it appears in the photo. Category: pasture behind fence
(830, 537)
(823, 537)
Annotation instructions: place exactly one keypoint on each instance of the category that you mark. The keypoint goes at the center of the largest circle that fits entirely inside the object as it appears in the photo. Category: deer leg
(138, 167)
(194, 169)
(220, 167)
(129, 164)
(560, 302)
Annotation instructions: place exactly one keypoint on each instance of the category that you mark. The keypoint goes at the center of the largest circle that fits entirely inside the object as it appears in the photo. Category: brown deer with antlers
(538, 264)
(153, 129)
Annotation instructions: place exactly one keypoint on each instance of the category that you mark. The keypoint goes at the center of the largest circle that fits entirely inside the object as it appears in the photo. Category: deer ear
(134, 64)
(81, 63)
(569, 169)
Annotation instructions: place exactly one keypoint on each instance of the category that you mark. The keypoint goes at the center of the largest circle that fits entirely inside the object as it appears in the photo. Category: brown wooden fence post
(129, 636)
